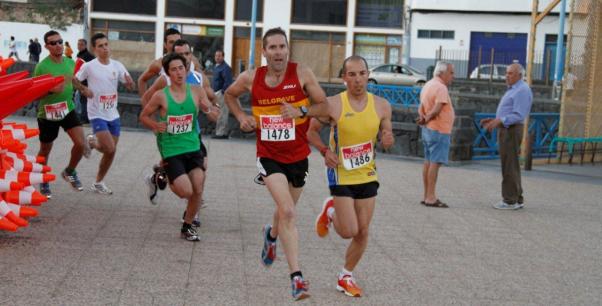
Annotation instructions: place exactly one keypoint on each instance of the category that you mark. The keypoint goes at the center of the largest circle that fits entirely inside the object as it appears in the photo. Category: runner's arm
(204, 104)
(313, 136)
(386, 127)
(152, 70)
(159, 84)
(318, 107)
(155, 104)
(208, 90)
(240, 86)
(82, 88)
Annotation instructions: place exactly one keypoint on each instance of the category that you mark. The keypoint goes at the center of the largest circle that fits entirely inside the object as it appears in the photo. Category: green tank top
(180, 137)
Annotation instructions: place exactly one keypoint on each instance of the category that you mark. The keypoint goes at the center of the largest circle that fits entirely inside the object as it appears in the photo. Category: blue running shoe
(268, 254)
(300, 288)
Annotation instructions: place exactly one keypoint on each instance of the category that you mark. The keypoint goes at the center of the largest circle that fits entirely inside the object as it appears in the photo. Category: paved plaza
(91, 249)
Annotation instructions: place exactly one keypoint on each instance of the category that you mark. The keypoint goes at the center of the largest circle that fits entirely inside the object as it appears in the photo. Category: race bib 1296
(108, 102)
(179, 124)
(357, 156)
(276, 128)
(56, 111)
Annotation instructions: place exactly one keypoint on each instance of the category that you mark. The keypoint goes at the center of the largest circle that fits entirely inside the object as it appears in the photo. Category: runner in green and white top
(56, 110)
(178, 106)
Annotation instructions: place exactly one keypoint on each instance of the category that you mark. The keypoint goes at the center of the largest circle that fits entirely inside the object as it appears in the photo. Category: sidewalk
(90, 249)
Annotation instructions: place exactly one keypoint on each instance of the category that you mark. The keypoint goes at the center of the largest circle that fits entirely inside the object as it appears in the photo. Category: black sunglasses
(53, 43)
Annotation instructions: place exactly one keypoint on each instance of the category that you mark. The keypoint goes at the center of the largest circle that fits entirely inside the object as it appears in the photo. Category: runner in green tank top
(177, 106)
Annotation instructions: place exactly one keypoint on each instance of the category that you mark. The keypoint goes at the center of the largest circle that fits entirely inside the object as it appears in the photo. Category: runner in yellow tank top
(355, 118)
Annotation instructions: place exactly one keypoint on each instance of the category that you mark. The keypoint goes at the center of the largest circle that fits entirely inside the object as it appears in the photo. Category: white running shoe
(101, 188)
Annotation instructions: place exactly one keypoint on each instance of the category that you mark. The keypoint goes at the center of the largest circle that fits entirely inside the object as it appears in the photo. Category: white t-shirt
(12, 46)
(103, 81)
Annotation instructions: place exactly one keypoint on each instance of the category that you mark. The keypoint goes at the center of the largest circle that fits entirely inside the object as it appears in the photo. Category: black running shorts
(49, 130)
(295, 173)
(356, 192)
(182, 164)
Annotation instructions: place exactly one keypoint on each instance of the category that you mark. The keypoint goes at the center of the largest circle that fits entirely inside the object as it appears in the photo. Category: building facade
(321, 32)
(471, 33)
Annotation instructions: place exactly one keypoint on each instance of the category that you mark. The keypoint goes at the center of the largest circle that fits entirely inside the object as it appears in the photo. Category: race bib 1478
(357, 156)
(179, 124)
(56, 111)
(276, 128)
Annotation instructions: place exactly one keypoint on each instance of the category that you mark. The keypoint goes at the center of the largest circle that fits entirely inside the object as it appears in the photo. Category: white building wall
(423, 51)
(481, 5)
(23, 32)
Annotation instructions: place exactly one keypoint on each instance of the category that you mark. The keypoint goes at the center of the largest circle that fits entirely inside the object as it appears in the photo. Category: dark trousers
(509, 140)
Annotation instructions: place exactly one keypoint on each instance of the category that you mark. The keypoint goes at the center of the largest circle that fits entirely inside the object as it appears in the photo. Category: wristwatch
(303, 110)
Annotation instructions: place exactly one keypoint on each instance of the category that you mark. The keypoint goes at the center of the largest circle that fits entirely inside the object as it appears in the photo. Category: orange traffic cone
(24, 198)
(26, 166)
(26, 157)
(9, 89)
(23, 211)
(20, 134)
(9, 186)
(40, 88)
(6, 225)
(26, 178)
(10, 215)
(14, 76)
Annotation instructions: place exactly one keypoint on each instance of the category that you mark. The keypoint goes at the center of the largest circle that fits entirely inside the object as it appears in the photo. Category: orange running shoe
(347, 285)
(322, 222)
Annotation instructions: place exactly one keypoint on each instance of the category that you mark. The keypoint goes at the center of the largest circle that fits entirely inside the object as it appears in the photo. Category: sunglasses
(54, 43)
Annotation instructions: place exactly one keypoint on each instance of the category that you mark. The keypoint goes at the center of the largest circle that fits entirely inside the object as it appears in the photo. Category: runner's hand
(160, 127)
(386, 139)
(88, 93)
(247, 124)
(289, 111)
(330, 159)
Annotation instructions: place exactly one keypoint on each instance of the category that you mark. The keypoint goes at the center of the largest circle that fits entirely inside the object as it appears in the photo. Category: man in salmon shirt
(280, 94)
(437, 119)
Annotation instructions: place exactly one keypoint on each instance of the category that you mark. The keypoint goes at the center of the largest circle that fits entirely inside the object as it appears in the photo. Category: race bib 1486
(276, 128)
(179, 124)
(357, 156)
(56, 111)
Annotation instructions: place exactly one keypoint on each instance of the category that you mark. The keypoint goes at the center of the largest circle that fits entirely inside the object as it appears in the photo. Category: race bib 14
(56, 111)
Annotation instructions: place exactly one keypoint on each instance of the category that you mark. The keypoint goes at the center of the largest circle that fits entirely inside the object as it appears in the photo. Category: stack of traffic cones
(19, 172)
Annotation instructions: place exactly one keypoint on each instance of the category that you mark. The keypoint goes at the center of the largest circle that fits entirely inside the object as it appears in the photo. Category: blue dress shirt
(515, 104)
(222, 77)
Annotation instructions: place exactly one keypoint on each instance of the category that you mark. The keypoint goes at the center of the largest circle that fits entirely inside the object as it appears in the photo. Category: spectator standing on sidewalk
(437, 119)
(222, 78)
(510, 115)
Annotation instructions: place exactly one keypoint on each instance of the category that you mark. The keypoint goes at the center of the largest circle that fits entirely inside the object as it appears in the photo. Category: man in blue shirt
(222, 78)
(509, 117)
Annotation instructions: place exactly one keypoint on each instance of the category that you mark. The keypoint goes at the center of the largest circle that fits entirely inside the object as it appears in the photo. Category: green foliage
(58, 14)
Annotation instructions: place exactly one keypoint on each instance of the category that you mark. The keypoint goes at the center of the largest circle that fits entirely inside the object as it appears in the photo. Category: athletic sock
(270, 238)
(345, 272)
(296, 273)
(330, 212)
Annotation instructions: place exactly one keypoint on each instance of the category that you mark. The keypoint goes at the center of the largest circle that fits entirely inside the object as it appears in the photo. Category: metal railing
(543, 126)
(404, 96)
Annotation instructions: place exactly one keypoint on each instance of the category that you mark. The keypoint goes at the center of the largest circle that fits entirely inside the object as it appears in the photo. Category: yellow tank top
(353, 139)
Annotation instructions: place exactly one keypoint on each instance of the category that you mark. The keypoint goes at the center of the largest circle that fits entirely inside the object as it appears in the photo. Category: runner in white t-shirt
(103, 75)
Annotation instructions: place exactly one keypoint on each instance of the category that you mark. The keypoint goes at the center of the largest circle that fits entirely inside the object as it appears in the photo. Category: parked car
(483, 72)
(396, 75)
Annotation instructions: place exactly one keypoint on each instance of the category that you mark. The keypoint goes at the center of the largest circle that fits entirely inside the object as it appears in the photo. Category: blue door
(508, 47)
(550, 60)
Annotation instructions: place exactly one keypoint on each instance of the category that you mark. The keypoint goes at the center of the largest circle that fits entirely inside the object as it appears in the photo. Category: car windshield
(413, 70)
(501, 70)
(385, 68)
(485, 69)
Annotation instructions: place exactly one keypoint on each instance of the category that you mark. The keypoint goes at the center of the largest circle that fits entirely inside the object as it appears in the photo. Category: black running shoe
(190, 234)
(196, 222)
(160, 177)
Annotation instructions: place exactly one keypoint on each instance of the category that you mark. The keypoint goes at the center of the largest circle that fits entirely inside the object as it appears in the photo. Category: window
(204, 40)
(379, 13)
(501, 70)
(242, 47)
(323, 52)
(485, 69)
(378, 49)
(385, 68)
(436, 34)
(244, 7)
(132, 43)
(333, 12)
(210, 9)
(147, 7)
